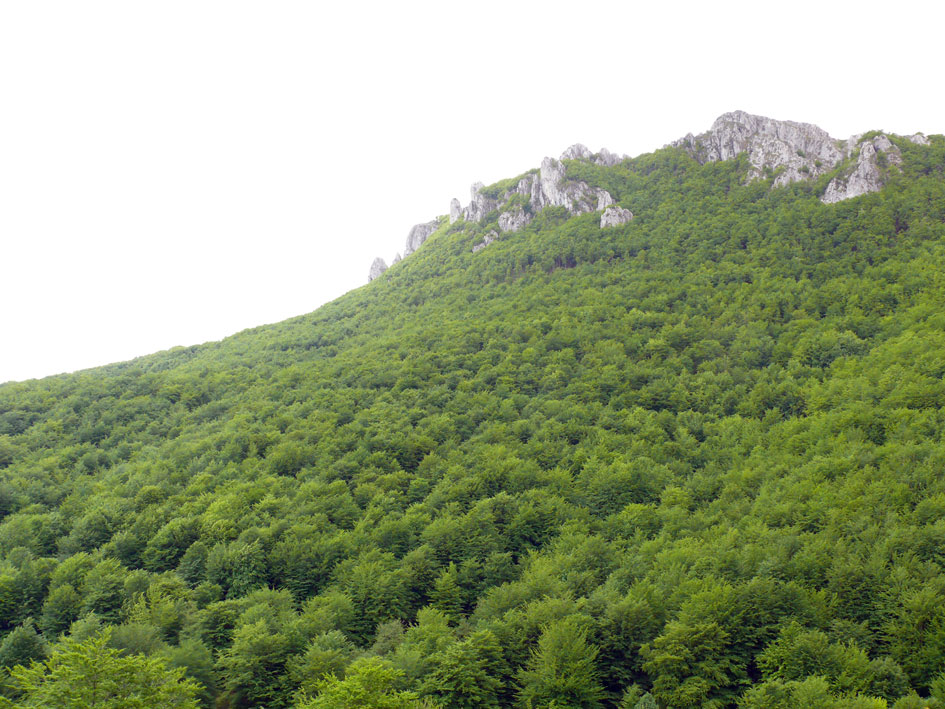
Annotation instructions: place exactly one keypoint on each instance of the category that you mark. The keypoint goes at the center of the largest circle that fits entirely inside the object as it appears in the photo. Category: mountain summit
(792, 151)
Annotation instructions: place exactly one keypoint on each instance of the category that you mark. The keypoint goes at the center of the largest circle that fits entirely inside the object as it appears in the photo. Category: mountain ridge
(788, 151)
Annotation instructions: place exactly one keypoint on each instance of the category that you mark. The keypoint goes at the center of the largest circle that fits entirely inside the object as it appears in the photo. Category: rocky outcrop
(868, 174)
(608, 159)
(577, 152)
(799, 150)
(548, 187)
(479, 204)
(615, 216)
(397, 259)
(486, 240)
(456, 210)
(514, 219)
(418, 234)
(581, 152)
(377, 268)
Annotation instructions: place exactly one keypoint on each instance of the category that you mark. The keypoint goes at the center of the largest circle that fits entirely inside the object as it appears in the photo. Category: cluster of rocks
(796, 151)
(548, 186)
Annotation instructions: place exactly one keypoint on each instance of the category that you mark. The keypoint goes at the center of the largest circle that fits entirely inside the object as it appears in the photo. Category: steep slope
(696, 454)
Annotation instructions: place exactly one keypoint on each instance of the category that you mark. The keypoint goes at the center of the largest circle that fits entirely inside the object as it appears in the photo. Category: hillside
(696, 454)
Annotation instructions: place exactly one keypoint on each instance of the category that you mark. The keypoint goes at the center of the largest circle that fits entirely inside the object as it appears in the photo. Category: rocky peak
(377, 268)
(577, 152)
(802, 149)
(581, 152)
(418, 234)
(799, 151)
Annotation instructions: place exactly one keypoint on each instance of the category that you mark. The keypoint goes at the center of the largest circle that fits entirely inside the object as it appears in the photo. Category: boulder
(486, 240)
(615, 216)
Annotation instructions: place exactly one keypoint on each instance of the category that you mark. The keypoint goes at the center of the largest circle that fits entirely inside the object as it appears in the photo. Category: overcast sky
(174, 172)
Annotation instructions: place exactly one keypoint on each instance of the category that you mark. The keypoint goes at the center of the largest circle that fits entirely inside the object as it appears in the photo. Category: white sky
(173, 172)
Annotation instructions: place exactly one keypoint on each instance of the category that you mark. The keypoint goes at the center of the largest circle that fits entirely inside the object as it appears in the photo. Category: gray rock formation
(801, 149)
(615, 216)
(867, 175)
(514, 219)
(604, 157)
(397, 259)
(479, 204)
(418, 234)
(456, 211)
(486, 240)
(797, 151)
(577, 152)
(608, 159)
(377, 268)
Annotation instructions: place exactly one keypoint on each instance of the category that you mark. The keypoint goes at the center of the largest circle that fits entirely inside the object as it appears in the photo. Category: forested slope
(699, 455)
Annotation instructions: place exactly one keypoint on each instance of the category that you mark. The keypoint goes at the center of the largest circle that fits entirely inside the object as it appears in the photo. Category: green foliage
(562, 671)
(78, 675)
(695, 459)
(370, 682)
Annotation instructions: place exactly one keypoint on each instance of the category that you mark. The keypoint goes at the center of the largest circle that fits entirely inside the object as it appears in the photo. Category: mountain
(685, 455)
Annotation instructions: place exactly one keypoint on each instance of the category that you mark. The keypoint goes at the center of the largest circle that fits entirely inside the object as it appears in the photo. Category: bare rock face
(868, 175)
(801, 149)
(919, 139)
(615, 216)
(608, 159)
(479, 204)
(456, 211)
(418, 234)
(377, 268)
(577, 152)
(397, 259)
(581, 152)
(514, 219)
(486, 240)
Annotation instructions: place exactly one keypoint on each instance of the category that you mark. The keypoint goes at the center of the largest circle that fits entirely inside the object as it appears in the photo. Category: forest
(695, 460)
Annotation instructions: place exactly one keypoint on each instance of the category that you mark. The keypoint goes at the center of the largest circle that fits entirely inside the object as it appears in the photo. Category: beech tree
(80, 675)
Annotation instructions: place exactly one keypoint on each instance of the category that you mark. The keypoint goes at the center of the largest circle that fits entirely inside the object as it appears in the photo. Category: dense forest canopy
(691, 461)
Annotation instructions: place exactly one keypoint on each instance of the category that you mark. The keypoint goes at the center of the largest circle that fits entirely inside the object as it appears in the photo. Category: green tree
(468, 674)
(562, 671)
(368, 682)
(22, 645)
(82, 675)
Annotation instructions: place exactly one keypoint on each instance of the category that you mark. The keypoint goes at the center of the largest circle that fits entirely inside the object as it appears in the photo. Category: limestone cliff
(418, 234)
(796, 151)
(801, 149)
(867, 174)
